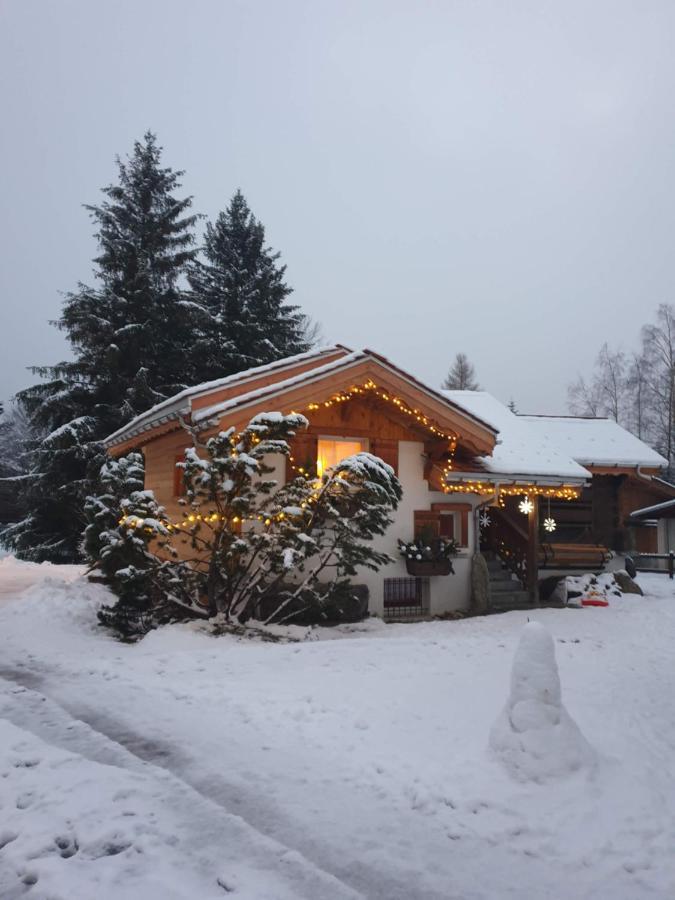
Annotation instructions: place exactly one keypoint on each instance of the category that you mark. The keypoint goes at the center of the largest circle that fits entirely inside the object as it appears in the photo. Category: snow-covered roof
(521, 450)
(338, 358)
(595, 442)
(218, 409)
(179, 404)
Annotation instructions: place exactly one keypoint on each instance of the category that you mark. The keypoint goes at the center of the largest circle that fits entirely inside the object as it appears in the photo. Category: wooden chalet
(469, 468)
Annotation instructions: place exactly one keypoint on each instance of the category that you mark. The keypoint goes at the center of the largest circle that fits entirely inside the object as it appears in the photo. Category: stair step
(505, 586)
(504, 575)
(511, 600)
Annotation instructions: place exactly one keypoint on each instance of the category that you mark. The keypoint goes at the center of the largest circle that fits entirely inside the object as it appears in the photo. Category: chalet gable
(328, 380)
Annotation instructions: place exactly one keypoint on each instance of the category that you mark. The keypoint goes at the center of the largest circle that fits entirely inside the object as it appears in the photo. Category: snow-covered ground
(357, 765)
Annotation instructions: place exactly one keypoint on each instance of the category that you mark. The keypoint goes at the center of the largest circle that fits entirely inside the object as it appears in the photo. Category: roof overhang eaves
(510, 479)
(630, 466)
(315, 375)
(655, 508)
(206, 416)
(122, 435)
(437, 395)
(180, 404)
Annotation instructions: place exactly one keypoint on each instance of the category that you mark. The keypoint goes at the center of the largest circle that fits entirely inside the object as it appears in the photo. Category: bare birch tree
(462, 375)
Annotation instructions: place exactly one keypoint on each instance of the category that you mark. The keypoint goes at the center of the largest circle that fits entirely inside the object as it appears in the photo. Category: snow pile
(580, 586)
(16, 576)
(535, 737)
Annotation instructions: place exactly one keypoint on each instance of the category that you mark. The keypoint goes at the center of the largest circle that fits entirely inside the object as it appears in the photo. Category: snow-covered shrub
(256, 549)
(290, 548)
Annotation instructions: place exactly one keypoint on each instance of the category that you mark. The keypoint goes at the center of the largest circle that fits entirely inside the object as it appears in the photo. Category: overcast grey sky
(496, 178)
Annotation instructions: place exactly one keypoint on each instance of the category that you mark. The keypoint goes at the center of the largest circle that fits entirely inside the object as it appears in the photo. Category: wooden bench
(573, 556)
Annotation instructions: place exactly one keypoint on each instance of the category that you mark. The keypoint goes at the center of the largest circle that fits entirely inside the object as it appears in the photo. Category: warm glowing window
(331, 451)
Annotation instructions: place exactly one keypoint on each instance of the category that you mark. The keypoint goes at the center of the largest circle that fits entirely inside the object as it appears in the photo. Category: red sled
(591, 601)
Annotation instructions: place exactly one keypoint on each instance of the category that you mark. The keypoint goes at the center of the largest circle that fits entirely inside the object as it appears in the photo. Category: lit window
(331, 451)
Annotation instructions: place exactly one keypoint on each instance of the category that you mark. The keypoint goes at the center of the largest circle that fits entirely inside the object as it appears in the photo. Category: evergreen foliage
(130, 335)
(240, 292)
(16, 438)
(308, 536)
(257, 550)
(123, 521)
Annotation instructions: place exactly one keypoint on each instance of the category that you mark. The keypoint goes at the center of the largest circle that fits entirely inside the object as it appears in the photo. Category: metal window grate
(406, 598)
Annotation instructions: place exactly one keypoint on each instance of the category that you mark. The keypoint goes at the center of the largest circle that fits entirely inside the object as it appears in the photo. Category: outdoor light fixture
(526, 506)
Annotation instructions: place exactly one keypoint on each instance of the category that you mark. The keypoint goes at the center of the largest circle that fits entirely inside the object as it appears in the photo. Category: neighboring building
(626, 474)
(657, 520)
(455, 453)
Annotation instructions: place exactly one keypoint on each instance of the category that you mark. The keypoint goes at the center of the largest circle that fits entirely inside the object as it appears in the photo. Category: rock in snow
(535, 737)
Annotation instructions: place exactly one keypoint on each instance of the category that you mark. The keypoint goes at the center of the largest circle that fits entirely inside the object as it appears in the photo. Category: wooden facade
(602, 513)
(363, 399)
(382, 419)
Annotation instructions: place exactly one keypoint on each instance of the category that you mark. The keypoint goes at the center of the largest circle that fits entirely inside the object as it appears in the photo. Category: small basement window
(331, 451)
(406, 598)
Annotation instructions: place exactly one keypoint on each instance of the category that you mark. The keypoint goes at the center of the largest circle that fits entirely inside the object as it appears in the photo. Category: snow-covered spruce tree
(118, 479)
(282, 550)
(124, 521)
(150, 589)
(240, 289)
(131, 336)
(62, 466)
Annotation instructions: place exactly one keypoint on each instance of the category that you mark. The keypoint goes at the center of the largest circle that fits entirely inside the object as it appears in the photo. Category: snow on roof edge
(522, 451)
(209, 412)
(342, 362)
(596, 441)
(148, 419)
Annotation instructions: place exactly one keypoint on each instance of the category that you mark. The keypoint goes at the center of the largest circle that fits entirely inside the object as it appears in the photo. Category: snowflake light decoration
(550, 524)
(484, 521)
(526, 506)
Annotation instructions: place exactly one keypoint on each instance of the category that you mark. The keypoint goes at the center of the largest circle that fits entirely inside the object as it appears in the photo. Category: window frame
(345, 439)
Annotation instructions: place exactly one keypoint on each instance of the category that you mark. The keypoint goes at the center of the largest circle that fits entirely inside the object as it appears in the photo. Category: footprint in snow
(6, 837)
(28, 762)
(66, 845)
(24, 801)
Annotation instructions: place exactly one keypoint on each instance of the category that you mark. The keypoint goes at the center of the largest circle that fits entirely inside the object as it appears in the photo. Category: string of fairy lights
(484, 488)
(370, 389)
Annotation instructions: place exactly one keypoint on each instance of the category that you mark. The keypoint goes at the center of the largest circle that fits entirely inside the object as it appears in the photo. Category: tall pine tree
(131, 335)
(240, 290)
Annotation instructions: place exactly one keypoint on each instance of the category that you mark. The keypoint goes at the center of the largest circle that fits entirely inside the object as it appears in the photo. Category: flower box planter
(425, 567)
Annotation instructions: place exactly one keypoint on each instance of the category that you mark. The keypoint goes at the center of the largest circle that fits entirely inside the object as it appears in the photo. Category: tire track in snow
(353, 875)
(205, 816)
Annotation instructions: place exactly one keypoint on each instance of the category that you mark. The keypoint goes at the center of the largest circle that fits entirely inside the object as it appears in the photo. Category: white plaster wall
(447, 592)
